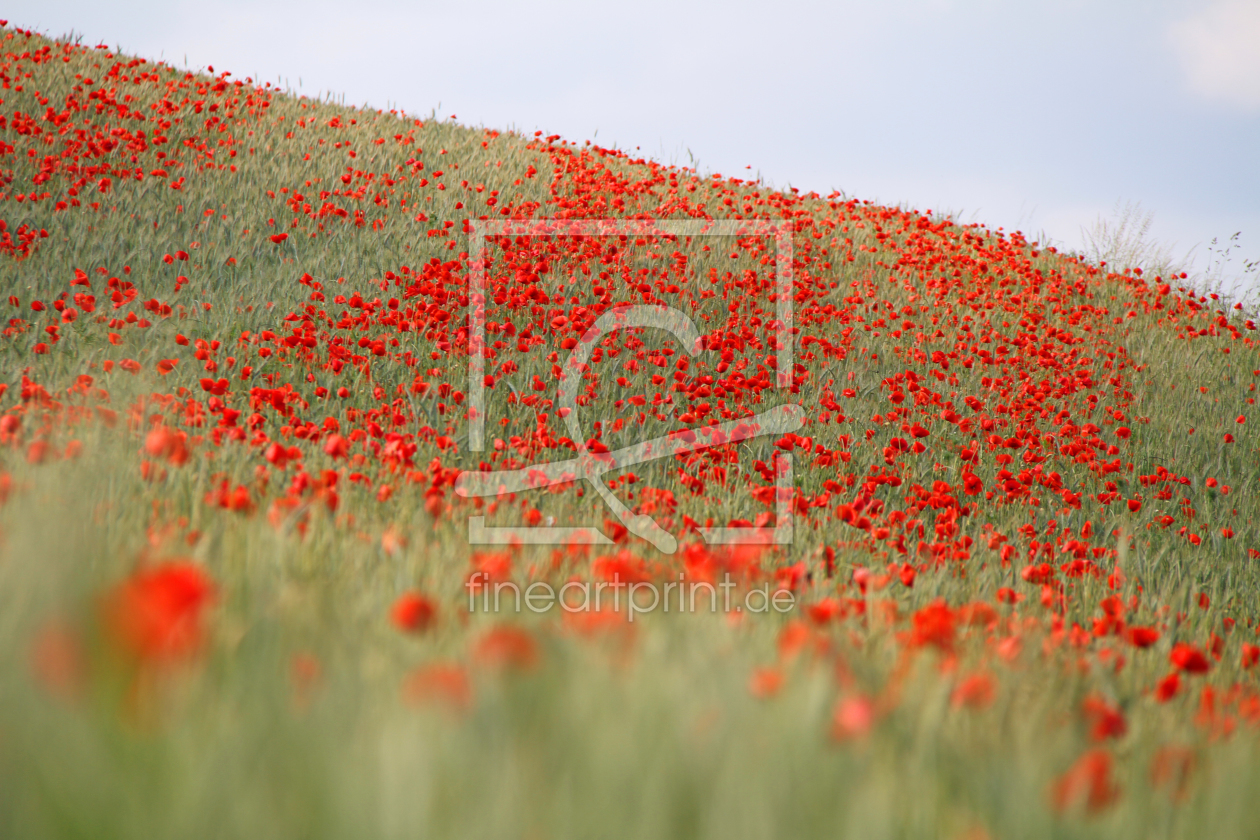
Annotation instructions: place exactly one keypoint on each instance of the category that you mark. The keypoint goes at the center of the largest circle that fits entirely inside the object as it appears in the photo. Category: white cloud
(1219, 48)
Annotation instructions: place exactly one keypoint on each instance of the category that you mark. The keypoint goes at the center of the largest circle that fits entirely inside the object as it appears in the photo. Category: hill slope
(238, 593)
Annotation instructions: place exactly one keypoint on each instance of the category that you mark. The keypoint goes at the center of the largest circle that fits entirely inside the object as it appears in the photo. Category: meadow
(236, 576)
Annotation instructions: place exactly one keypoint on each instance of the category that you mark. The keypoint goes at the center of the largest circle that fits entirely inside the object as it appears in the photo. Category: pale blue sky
(1030, 114)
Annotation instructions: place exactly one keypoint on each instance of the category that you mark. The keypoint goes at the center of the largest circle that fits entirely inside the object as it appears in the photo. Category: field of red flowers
(237, 594)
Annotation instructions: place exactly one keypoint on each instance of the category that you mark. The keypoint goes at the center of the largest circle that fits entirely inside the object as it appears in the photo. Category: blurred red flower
(506, 647)
(1088, 783)
(413, 612)
(157, 614)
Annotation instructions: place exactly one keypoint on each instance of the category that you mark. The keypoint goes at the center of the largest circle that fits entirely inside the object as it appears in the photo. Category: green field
(236, 577)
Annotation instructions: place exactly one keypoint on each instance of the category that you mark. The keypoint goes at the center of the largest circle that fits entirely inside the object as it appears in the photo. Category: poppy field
(238, 596)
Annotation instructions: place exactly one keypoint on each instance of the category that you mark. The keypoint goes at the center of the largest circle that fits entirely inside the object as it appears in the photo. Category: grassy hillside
(235, 574)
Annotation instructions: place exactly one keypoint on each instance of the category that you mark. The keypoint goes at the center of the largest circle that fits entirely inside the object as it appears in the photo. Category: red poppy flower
(1106, 721)
(1168, 687)
(413, 612)
(765, 682)
(442, 682)
(506, 647)
(1087, 784)
(1142, 637)
(1189, 659)
(853, 718)
(975, 692)
(156, 615)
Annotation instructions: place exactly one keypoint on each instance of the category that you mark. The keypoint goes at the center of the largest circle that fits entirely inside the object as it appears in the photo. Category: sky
(1038, 115)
